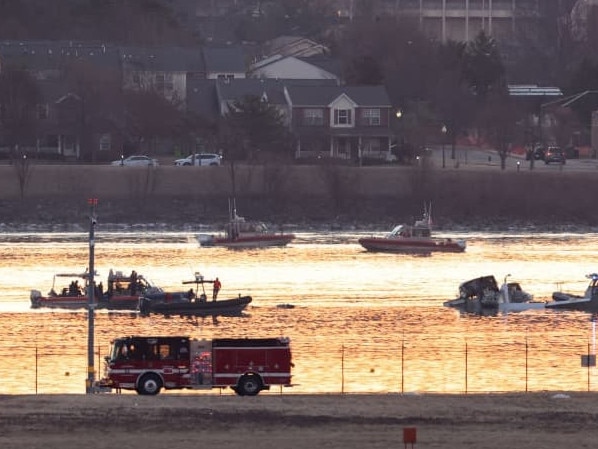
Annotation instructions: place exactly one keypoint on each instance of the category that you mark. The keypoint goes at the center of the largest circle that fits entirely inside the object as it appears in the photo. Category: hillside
(140, 22)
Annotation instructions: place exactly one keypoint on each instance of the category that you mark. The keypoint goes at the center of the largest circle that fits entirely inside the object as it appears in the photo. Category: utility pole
(90, 383)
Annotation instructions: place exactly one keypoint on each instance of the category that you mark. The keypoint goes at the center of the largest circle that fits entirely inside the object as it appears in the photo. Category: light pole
(443, 129)
(400, 147)
(90, 383)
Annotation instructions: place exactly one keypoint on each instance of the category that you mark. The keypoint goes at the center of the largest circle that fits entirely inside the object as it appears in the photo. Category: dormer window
(342, 116)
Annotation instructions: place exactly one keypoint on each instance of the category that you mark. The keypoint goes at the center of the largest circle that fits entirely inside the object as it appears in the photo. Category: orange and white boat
(241, 234)
(416, 238)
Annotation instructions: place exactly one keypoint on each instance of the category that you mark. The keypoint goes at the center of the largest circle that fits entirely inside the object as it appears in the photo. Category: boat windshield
(247, 227)
(398, 230)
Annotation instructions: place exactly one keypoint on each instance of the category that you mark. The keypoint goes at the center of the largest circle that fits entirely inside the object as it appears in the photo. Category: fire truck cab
(148, 364)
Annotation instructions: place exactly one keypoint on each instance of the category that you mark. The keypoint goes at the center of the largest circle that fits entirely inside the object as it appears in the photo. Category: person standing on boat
(217, 286)
(133, 282)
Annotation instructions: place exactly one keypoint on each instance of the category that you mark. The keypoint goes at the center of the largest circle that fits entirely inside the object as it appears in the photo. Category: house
(162, 69)
(346, 122)
(271, 91)
(268, 91)
(224, 62)
(78, 85)
(289, 67)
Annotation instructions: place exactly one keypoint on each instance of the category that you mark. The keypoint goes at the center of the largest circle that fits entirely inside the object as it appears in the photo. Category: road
(473, 158)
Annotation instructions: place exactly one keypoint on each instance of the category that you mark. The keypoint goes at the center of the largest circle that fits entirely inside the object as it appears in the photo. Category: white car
(200, 159)
(136, 161)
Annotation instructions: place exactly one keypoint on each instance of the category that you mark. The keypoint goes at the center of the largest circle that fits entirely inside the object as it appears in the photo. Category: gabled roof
(54, 91)
(52, 55)
(322, 96)
(230, 90)
(324, 62)
(297, 46)
(587, 96)
(289, 66)
(163, 59)
(532, 90)
(224, 59)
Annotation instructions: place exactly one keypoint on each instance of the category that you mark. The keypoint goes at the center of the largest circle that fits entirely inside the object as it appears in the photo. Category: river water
(361, 322)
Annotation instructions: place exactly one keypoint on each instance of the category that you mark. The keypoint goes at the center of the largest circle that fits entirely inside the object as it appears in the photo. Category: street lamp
(399, 145)
(443, 129)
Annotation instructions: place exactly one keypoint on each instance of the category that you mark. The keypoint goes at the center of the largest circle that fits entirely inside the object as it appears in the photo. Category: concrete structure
(461, 20)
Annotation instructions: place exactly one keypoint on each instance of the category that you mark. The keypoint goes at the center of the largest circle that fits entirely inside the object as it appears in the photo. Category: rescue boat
(416, 238)
(122, 292)
(242, 234)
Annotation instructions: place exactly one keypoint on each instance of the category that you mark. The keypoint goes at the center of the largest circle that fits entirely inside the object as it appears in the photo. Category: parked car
(139, 160)
(554, 154)
(536, 153)
(200, 159)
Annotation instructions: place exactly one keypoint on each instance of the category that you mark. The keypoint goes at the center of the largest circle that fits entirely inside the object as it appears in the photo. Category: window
(164, 82)
(370, 117)
(160, 82)
(105, 142)
(42, 111)
(342, 116)
(313, 117)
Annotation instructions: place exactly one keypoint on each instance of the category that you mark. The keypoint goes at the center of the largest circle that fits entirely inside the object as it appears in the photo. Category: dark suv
(536, 153)
(554, 154)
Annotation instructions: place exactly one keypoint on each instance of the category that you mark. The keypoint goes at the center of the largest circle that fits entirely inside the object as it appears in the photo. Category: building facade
(462, 20)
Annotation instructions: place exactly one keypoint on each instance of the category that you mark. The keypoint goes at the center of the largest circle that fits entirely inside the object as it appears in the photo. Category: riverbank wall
(298, 194)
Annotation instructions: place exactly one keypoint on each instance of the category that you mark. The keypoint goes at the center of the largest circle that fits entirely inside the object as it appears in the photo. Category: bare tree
(101, 108)
(453, 98)
(499, 119)
(19, 97)
(150, 117)
(260, 127)
(22, 170)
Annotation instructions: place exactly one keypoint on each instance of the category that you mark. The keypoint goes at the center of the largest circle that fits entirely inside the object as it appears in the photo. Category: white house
(291, 67)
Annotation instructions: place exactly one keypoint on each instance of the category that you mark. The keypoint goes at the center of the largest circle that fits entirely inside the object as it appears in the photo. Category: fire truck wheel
(150, 384)
(249, 385)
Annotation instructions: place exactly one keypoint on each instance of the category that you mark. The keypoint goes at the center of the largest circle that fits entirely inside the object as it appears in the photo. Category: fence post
(403, 365)
(99, 357)
(466, 367)
(342, 369)
(589, 364)
(526, 363)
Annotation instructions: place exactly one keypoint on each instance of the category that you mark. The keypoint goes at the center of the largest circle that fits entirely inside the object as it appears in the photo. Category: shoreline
(518, 420)
(514, 227)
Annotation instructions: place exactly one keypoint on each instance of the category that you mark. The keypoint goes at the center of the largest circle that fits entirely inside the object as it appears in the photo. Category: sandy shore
(535, 420)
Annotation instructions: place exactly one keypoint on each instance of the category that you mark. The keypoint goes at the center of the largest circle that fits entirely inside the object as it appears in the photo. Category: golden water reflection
(362, 322)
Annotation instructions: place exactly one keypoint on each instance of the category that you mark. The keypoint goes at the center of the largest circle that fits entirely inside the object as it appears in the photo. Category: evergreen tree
(484, 68)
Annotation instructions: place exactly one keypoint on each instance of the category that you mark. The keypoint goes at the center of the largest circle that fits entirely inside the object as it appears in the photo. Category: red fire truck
(148, 364)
